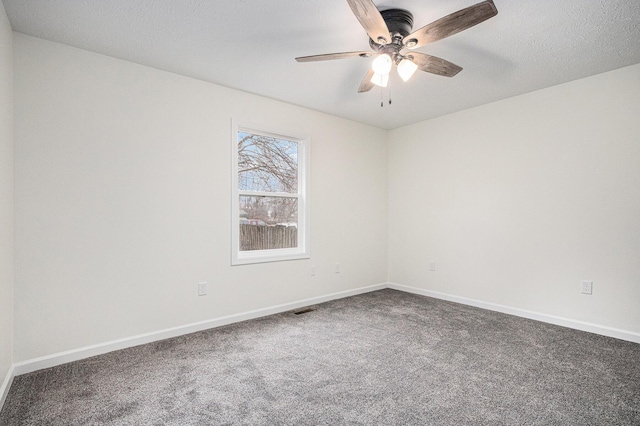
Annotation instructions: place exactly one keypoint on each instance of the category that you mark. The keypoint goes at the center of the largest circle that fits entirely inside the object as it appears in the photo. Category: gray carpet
(382, 358)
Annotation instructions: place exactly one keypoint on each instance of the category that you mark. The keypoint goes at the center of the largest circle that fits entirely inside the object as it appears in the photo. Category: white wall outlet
(312, 271)
(337, 268)
(203, 288)
(432, 266)
(586, 287)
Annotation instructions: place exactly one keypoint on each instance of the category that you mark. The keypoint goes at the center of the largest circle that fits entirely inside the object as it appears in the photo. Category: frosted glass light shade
(382, 64)
(380, 79)
(406, 68)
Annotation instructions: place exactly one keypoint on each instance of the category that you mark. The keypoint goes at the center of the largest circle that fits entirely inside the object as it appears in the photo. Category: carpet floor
(381, 358)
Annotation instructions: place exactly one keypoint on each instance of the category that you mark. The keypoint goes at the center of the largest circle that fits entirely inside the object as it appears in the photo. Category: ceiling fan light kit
(406, 68)
(382, 64)
(392, 41)
(381, 80)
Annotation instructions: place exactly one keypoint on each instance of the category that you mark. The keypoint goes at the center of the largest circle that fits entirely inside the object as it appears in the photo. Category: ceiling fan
(392, 41)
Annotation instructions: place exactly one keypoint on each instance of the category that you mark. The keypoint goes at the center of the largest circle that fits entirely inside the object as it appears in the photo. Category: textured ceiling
(251, 46)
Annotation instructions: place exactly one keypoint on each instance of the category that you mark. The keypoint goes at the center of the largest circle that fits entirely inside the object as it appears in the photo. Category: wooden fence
(253, 237)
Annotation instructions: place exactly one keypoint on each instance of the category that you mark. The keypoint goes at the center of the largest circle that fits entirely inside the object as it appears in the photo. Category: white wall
(122, 199)
(519, 200)
(6, 196)
(122, 191)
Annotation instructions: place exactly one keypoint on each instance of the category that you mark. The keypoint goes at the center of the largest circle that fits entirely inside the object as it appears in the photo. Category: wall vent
(304, 311)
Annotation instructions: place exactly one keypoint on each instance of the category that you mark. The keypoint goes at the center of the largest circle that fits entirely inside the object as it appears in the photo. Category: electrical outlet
(337, 268)
(312, 271)
(432, 266)
(586, 287)
(203, 288)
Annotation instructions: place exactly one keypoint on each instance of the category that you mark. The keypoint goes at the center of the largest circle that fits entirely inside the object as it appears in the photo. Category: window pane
(268, 223)
(267, 164)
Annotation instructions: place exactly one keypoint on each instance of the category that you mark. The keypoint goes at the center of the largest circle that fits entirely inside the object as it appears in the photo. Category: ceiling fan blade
(434, 65)
(330, 56)
(371, 20)
(366, 84)
(451, 24)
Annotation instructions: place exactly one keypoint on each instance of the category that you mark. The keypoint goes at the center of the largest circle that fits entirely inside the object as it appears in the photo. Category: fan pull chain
(382, 96)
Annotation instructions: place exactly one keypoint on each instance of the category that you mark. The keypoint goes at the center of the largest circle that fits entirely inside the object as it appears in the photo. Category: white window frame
(260, 256)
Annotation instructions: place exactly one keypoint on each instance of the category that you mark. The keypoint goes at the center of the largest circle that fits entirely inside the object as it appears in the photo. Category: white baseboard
(102, 348)
(59, 358)
(6, 384)
(551, 319)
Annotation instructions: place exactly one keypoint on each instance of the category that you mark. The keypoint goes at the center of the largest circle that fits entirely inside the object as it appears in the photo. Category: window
(270, 203)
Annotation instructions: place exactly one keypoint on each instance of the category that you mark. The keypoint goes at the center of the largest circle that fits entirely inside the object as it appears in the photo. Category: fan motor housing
(398, 21)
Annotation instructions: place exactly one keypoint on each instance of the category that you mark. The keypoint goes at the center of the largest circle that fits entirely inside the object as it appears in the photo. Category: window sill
(265, 256)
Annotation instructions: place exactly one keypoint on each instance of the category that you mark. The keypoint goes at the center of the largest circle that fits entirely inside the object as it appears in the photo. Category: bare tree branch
(268, 164)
